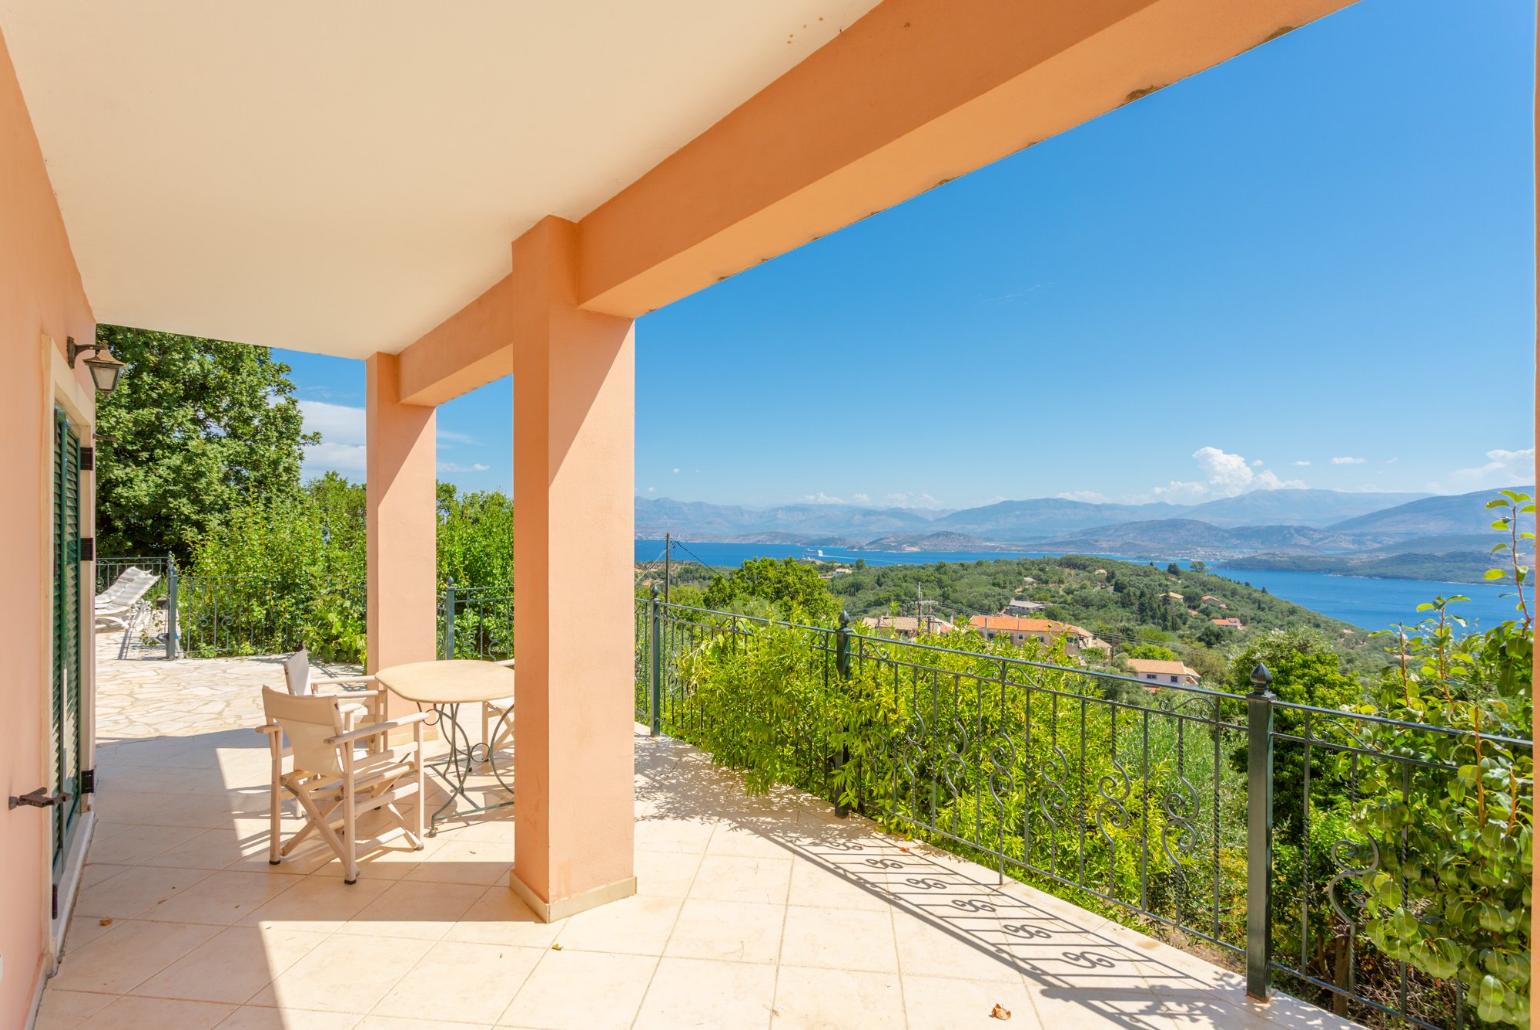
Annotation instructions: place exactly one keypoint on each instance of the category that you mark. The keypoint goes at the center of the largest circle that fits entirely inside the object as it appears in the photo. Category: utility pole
(668, 552)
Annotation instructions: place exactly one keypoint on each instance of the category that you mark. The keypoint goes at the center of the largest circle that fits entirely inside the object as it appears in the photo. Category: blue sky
(1313, 265)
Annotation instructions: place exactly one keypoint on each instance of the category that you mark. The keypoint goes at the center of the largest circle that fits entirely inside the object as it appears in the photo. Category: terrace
(749, 911)
(501, 192)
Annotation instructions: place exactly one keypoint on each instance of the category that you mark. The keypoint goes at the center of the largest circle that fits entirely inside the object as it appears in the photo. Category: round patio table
(444, 686)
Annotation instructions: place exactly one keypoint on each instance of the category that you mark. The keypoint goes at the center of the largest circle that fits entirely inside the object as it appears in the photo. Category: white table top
(448, 682)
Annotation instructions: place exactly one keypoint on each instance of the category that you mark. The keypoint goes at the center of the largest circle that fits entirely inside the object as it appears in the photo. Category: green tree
(195, 429)
(793, 589)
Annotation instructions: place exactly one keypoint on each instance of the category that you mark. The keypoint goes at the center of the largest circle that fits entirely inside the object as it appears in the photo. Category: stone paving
(750, 911)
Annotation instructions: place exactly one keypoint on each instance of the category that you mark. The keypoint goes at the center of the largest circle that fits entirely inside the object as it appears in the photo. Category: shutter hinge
(88, 782)
(88, 459)
(56, 901)
(88, 548)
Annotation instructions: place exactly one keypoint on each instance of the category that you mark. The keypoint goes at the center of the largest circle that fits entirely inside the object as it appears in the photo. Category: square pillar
(574, 488)
(403, 522)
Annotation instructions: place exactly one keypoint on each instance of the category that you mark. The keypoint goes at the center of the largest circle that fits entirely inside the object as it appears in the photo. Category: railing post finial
(1261, 680)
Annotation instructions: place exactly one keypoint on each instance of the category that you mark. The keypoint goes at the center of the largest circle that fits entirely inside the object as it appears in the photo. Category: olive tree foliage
(785, 587)
(195, 429)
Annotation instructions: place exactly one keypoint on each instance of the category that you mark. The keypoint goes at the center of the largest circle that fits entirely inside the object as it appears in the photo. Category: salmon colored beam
(915, 93)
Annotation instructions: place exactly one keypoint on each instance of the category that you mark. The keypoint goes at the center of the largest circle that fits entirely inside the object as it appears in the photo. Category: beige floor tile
(1110, 1006)
(581, 989)
(687, 992)
(67, 1010)
(416, 1023)
(422, 910)
(372, 966)
(924, 950)
(135, 891)
(320, 904)
(834, 939)
(256, 1017)
(939, 1001)
(231, 966)
(223, 897)
(745, 843)
(499, 917)
(664, 874)
(85, 929)
(837, 999)
(135, 843)
(813, 885)
(469, 982)
(674, 835)
(466, 861)
(734, 930)
(637, 925)
(133, 952)
(738, 878)
(159, 1014)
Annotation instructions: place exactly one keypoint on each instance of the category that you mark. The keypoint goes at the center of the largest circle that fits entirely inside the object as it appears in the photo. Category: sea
(1371, 604)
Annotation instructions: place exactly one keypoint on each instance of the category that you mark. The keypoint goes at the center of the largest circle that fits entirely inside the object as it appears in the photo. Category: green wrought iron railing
(1250, 826)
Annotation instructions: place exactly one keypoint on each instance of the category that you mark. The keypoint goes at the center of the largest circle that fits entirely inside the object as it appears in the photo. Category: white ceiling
(341, 176)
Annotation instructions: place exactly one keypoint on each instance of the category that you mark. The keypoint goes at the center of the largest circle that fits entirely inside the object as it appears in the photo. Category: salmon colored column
(403, 522)
(573, 488)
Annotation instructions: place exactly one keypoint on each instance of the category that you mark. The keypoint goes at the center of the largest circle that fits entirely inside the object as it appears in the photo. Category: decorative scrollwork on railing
(1179, 803)
(1356, 860)
(1054, 802)
(1002, 773)
(1112, 811)
(952, 761)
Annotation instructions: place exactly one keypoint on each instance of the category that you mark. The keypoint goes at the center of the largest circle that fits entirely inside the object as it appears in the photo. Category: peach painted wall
(40, 294)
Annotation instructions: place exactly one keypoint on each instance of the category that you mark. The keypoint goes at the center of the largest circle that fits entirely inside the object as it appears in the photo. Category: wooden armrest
(342, 679)
(377, 728)
(269, 729)
(349, 694)
(507, 665)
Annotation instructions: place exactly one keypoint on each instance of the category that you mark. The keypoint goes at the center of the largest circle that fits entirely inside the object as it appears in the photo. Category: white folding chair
(333, 781)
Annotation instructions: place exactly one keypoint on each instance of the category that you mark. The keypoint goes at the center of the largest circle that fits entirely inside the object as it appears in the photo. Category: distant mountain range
(1323, 530)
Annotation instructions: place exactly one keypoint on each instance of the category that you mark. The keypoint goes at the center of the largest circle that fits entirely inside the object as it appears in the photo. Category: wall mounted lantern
(105, 368)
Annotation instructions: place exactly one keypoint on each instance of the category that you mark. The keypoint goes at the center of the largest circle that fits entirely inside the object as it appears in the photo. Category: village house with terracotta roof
(907, 626)
(1163, 673)
(1229, 623)
(1044, 631)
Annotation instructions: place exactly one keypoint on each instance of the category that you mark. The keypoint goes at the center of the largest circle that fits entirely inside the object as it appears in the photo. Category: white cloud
(1502, 468)
(1225, 475)
(1089, 496)
(449, 436)
(1302, 463)
(1177, 491)
(900, 499)
(822, 498)
(343, 432)
(676, 472)
(337, 423)
(652, 489)
(451, 466)
(1349, 461)
(861, 498)
(334, 457)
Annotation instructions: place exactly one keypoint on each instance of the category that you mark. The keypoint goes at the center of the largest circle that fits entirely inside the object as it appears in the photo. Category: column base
(561, 908)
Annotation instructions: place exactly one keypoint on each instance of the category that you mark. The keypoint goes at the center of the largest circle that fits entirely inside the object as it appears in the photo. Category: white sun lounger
(117, 603)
